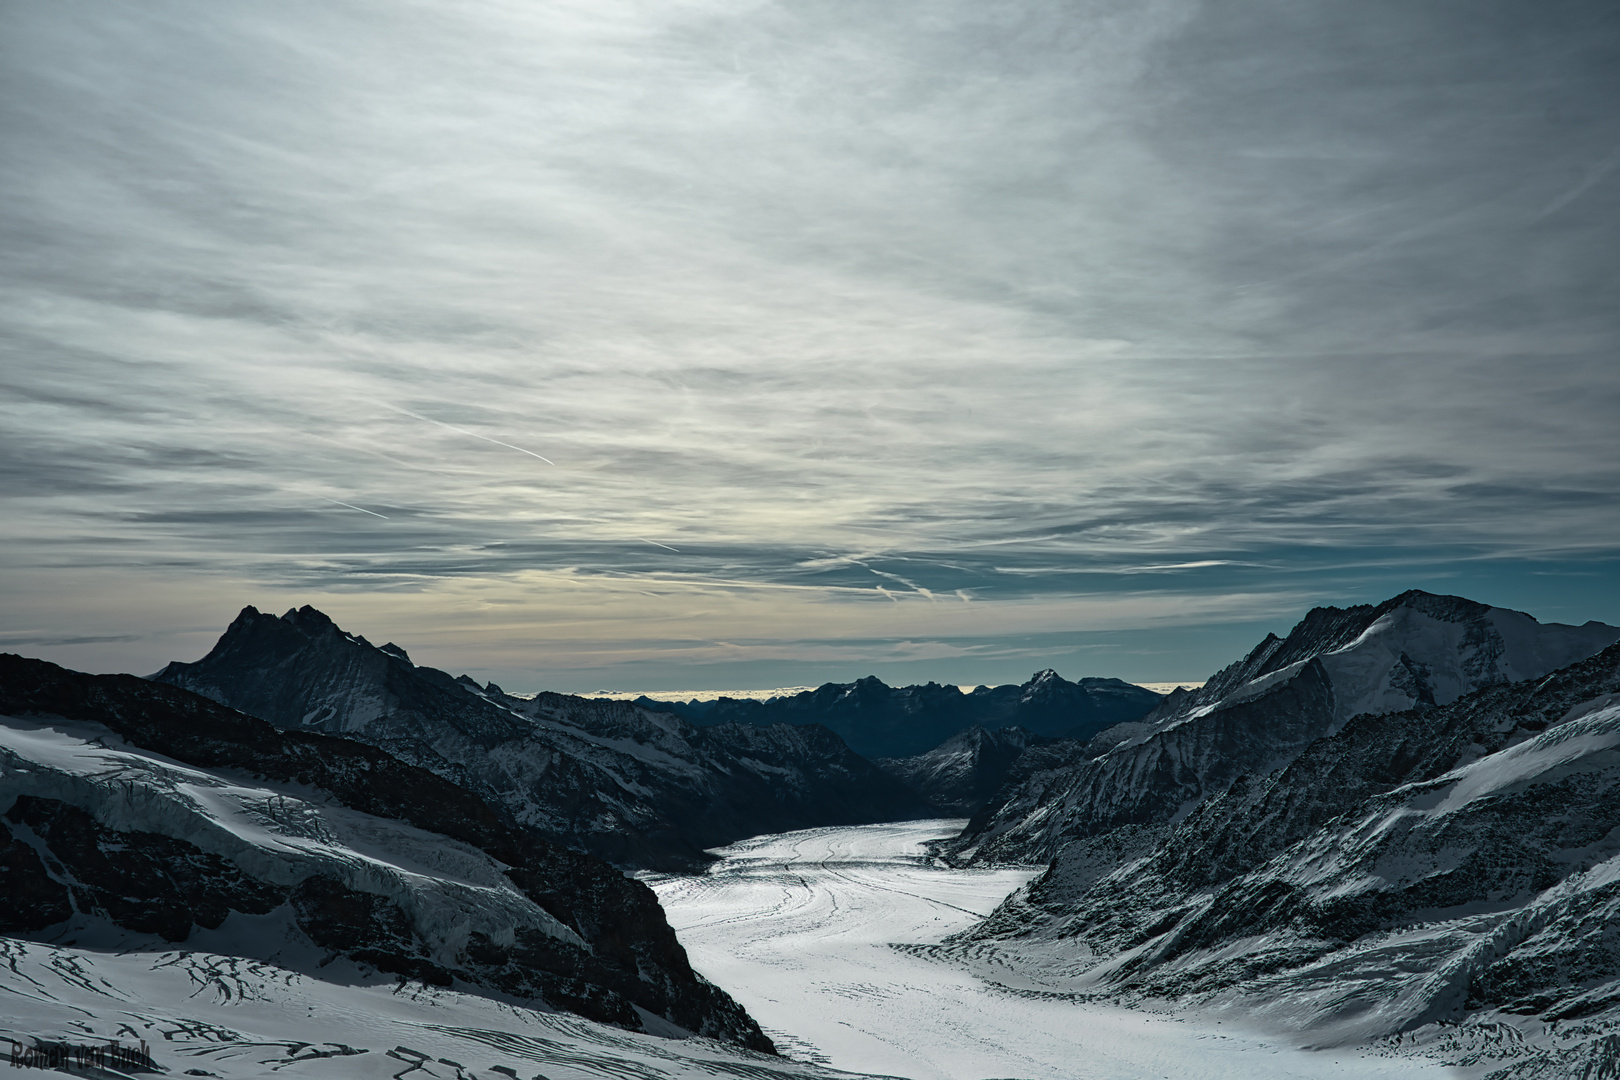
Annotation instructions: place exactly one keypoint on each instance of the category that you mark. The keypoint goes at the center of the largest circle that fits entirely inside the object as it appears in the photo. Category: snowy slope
(139, 811)
(1415, 871)
(209, 1012)
(1414, 650)
(639, 788)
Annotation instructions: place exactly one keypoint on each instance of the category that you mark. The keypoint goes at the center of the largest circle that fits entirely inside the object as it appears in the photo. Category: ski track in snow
(800, 928)
(236, 1018)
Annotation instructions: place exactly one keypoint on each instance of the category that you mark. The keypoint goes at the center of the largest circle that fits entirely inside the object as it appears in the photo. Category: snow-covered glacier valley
(1422, 891)
(810, 932)
(800, 927)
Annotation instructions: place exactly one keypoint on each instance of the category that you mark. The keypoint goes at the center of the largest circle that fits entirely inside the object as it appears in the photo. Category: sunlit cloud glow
(910, 332)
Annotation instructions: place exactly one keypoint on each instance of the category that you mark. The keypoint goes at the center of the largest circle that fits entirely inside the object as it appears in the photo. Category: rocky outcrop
(141, 881)
(1415, 650)
(959, 776)
(638, 788)
(884, 721)
(142, 806)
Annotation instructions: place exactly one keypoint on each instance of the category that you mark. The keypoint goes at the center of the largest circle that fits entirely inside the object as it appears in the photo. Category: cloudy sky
(695, 343)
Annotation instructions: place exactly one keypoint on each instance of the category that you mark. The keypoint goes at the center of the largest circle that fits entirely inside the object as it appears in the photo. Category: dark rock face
(959, 776)
(370, 928)
(30, 898)
(637, 788)
(1415, 866)
(611, 951)
(1144, 782)
(785, 763)
(142, 881)
(883, 721)
(1416, 649)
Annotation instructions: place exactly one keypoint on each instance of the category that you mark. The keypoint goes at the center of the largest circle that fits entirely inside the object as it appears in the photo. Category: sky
(734, 343)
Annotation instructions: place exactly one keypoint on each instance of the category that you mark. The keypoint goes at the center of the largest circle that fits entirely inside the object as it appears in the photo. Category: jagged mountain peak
(1414, 650)
(301, 669)
(255, 630)
(310, 614)
(314, 622)
(977, 735)
(638, 788)
(1045, 683)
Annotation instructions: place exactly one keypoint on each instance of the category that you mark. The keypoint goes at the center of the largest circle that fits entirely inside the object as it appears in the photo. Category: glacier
(823, 935)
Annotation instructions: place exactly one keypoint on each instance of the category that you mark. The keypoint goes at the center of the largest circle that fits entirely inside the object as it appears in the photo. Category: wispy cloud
(464, 431)
(850, 306)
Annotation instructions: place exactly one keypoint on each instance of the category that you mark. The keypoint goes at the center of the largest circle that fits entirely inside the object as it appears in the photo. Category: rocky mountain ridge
(892, 722)
(1410, 873)
(641, 789)
(960, 775)
(142, 814)
(1416, 649)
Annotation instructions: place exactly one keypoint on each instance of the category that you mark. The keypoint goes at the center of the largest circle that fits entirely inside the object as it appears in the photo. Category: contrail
(1604, 168)
(464, 431)
(908, 584)
(655, 543)
(351, 506)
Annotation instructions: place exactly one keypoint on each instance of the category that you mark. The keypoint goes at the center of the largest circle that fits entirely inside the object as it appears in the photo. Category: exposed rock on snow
(1415, 870)
(1416, 649)
(144, 808)
(639, 788)
(959, 776)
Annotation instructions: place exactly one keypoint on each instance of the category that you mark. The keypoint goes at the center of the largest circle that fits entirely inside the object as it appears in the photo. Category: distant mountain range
(639, 788)
(882, 721)
(647, 784)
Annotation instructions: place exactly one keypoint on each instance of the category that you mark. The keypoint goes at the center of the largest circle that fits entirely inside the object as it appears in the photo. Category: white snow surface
(236, 1019)
(275, 832)
(1588, 741)
(1361, 671)
(802, 928)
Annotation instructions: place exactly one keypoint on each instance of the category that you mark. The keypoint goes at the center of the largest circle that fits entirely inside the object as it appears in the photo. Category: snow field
(236, 1019)
(801, 927)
